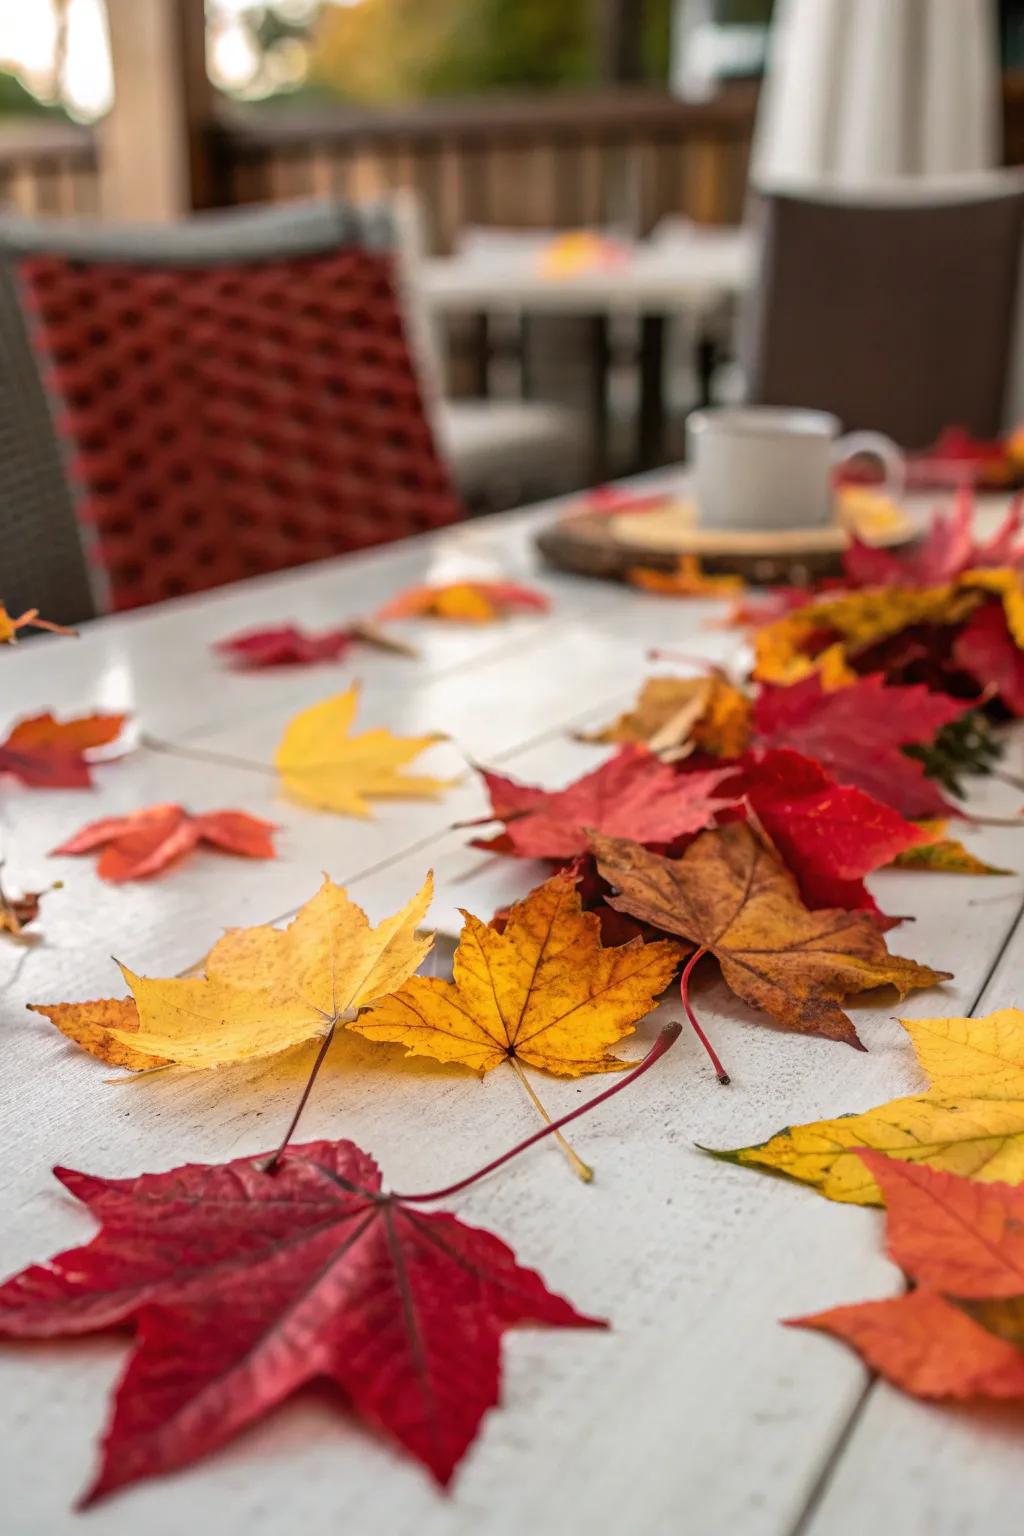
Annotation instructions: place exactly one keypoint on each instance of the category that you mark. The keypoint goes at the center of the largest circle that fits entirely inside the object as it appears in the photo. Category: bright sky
(28, 32)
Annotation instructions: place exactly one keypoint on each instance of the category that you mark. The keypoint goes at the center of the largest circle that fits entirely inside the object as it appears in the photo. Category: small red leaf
(147, 841)
(285, 645)
(46, 753)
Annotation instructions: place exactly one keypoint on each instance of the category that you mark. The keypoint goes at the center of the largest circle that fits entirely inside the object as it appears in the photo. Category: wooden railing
(621, 158)
(48, 167)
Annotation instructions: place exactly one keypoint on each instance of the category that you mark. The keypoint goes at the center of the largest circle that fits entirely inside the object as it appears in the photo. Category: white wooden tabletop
(697, 1412)
(687, 275)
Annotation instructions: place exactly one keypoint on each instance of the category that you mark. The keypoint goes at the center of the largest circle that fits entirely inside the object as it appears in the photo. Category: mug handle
(880, 447)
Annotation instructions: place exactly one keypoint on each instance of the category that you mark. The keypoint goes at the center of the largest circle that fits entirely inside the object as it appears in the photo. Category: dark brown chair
(893, 309)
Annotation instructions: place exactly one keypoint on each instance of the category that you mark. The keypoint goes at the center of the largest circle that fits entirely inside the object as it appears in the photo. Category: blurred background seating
(577, 193)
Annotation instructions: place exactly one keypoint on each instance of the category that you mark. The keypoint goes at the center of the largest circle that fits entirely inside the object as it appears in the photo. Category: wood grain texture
(697, 1411)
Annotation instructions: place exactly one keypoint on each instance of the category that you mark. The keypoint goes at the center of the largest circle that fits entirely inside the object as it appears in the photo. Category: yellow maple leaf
(970, 1121)
(674, 715)
(688, 579)
(322, 765)
(943, 853)
(265, 989)
(544, 992)
(793, 646)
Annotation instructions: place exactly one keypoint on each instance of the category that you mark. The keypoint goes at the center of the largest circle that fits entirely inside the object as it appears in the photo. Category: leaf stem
(582, 1170)
(1014, 780)
(325, 1046)
(197, 755)
(684, 992)
(668, 1037)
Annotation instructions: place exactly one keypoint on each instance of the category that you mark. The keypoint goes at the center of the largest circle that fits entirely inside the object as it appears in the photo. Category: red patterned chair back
(231, 415)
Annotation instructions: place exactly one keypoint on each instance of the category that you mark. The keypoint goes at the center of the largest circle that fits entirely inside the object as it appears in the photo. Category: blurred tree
(396, 49)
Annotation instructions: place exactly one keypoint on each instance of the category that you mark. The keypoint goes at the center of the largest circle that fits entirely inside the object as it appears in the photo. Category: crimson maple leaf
(946, 551)
(50, 754)
(147, 841)
(633, 794)
(244, 1285)
(986, 649)
(857, 733)
(285, 645)
(829, 835)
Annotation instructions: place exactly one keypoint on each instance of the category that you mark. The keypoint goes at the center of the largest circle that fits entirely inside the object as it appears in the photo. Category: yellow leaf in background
(92, 1026)
(945, 854)
(269, 989)
(544, 992)
(790, 648)
(322, 765)
(8, 628)
(970, 1122)
(674, 715)
(687, 580)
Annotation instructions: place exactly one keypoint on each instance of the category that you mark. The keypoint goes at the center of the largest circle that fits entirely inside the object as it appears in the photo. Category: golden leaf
(945, 854)
(322, 765)
(543, 992)
(265, 989)
(674, 715)
(688, 579)
(92, 1025)
(970, 1121)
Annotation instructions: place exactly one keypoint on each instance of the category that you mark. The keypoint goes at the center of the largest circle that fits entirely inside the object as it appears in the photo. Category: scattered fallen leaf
(729, 895)
(50, 754)
(323, 765)
(828, 835)
(245, 1285)
(265, 989)
(28, 620)
(687, 580)
(18, 912)
(958, 1333)
(145, 842)
(789, 649)
(971, 1120)
(286, 645)
(543, 992)
(676, 715)
(945, 854)
(857, 733)
(633, 795)
(467, 602)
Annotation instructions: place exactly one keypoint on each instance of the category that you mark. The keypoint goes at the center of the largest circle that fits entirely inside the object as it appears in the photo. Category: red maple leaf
(147, 841)
(244, 1285)
(634, 794)
(986, 649)
(829, 835)
(50, 754)
(285, 645)
(857, 733)
(946, 551)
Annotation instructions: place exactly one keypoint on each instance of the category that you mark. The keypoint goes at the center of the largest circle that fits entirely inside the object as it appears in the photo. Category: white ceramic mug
(766, 467)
